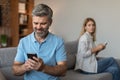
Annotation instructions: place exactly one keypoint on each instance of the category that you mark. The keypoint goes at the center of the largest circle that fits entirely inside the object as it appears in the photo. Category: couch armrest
(7, 56)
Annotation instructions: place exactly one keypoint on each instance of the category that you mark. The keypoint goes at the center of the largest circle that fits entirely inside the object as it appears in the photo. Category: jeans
(109, 65)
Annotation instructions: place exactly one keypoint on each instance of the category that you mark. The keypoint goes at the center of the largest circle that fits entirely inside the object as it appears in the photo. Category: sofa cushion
(71, 46)
(2, 76)
(70, 60)
(7, 72)
(73, 75)
(7, 56)
(71, 49)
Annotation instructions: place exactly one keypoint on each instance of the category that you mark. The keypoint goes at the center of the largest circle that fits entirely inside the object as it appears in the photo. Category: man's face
(41, 25)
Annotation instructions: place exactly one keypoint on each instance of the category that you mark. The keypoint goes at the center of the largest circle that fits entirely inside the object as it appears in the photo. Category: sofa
(7, 57)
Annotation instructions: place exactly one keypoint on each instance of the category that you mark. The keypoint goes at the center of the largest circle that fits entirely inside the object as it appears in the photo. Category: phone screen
(31, 55)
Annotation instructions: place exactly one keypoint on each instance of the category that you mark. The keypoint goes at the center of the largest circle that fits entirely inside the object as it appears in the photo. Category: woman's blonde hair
(85, 23)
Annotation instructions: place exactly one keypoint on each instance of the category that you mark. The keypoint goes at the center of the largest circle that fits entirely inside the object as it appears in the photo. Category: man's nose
(39, 25)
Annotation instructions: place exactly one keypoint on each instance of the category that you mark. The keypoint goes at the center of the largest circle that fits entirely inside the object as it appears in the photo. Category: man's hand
(35, 64)
(21, 68)
(38, 65)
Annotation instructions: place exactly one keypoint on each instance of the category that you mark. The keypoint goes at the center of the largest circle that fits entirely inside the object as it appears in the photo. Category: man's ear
(50, 22)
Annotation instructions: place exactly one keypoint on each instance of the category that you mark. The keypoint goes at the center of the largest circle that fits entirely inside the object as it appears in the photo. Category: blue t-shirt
(51, 50)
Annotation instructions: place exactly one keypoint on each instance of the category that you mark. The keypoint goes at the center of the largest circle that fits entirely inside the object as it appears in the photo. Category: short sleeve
(20, 53)
(60, 52)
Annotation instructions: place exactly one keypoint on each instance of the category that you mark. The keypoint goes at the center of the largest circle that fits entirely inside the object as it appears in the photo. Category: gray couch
(7, 56)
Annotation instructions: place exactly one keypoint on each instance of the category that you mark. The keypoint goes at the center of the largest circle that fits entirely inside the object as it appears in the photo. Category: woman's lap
(106, 63)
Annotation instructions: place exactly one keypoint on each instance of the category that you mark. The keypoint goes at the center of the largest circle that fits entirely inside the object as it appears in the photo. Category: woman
(86, 60)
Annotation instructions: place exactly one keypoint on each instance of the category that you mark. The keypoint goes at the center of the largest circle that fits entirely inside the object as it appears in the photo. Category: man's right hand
(36, 64)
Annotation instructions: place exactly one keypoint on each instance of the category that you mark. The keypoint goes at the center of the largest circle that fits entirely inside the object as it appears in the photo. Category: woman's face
(90, 27)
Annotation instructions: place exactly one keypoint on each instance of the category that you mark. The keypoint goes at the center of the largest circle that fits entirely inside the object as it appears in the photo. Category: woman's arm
(98, 48)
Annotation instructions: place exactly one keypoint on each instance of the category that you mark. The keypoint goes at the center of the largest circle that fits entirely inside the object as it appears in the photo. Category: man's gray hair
(42, 10)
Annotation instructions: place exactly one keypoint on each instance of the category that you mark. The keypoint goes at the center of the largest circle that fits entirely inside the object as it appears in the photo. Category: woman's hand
(98, 48)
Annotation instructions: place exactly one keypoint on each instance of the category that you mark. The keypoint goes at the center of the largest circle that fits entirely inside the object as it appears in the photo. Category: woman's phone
(31, 55)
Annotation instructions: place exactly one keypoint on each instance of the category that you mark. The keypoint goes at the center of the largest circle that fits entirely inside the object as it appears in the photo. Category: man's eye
(43, 23)
(35, 23)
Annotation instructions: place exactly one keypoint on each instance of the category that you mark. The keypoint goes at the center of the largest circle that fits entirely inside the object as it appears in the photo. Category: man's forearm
(58, 70)
(18, 69)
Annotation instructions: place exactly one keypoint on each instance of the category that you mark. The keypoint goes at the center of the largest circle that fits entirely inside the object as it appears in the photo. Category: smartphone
(31, 55)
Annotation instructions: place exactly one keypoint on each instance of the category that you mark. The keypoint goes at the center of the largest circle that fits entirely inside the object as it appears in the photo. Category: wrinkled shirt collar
(89, 35)
(34, 39)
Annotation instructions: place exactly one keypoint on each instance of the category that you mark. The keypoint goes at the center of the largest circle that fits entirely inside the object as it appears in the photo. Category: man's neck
(40, 39)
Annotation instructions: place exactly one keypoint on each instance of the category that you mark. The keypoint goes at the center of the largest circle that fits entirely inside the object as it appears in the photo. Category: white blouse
(85, 60)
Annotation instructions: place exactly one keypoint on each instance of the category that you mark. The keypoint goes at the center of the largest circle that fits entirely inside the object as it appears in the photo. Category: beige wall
(69, 16)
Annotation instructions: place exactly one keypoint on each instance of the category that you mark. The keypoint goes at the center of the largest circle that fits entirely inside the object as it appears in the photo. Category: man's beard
(43, 32)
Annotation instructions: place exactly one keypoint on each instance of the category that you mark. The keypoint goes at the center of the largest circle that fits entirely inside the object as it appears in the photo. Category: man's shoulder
(26, 38)
(56, 36)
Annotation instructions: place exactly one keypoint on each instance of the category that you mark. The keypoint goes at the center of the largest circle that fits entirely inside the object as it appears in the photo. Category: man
(50, 62)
